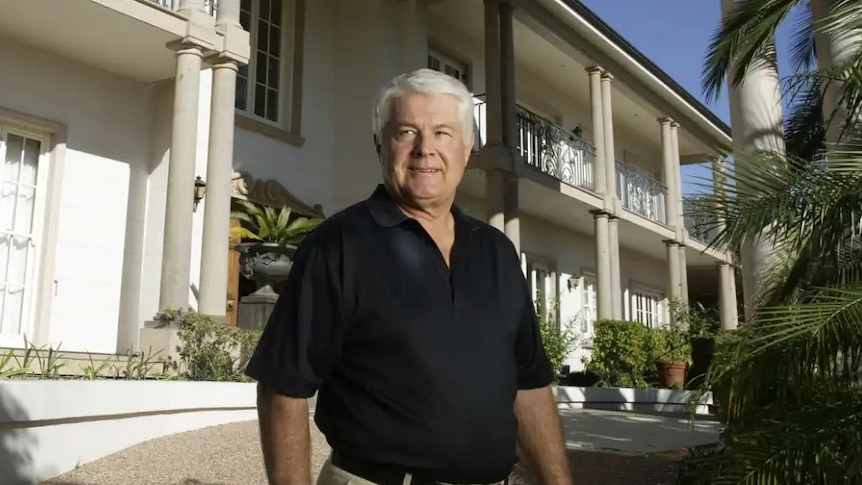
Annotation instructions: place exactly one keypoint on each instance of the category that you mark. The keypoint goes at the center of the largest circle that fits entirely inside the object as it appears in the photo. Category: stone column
(214, 262)
(599, 175)
(677, 175)
(673, 271)
(756, 117)
(608, 121)
(728, 315)
(493, 88)
(614, 256)
(512, 211)
(667, 171)
(176, 249)
(611, 195)
(507, 77)
(496, 188)
(683, 275)
(604, 299)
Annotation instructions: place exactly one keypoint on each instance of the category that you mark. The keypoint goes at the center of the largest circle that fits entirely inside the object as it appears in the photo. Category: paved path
(230, 454)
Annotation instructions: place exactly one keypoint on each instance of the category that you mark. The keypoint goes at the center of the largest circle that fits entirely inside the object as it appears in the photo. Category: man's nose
(422, 146)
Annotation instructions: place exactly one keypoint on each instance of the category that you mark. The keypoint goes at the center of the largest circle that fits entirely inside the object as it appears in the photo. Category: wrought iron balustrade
(211, 6)
(548, 147)
(641, 193)
(699, 224)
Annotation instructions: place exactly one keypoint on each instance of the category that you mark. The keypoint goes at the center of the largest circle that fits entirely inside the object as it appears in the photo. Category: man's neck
(436, 217)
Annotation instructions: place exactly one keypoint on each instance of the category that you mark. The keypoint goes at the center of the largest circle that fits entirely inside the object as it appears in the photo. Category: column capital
(671, 242)
(606, 76)
(666, 120)
(598, 70)
(674, 125)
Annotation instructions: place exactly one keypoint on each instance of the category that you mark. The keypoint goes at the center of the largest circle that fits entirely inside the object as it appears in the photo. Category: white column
(677, 174)
(683, 275)
(728, 315)
(614, 256)
(599, 175)
(495, 189)
(507, 76)
(757, 124)
(674, 283)
(176, 250)
(604, 299)
(512, 211)
(608, 121)
(493, 88)
(214, 251)
(667, 171)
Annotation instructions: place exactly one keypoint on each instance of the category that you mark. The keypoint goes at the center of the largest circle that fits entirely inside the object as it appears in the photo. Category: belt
(385, 474)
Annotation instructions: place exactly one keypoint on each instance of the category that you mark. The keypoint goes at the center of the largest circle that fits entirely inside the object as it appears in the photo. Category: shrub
(557, 340)
(211, 351)
(621, 353)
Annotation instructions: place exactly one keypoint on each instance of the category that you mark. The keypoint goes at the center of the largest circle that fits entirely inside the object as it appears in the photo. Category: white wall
(108, 120)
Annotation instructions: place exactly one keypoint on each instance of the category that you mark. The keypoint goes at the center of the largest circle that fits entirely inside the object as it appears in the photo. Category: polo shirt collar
(386, 213)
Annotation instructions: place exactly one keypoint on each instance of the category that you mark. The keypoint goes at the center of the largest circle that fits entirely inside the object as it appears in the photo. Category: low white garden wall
(53, 426)
(627, 399)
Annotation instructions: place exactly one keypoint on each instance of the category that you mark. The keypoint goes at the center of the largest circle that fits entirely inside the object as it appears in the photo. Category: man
(411, 321)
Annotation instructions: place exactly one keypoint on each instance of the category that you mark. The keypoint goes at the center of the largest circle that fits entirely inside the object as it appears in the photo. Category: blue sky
(675, 34)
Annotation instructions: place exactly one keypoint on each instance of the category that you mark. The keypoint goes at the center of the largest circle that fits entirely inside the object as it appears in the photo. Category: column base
(159, 341)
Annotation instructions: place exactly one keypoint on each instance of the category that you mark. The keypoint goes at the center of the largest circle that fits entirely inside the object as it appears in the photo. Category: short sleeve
(303, 337)
(534, 367)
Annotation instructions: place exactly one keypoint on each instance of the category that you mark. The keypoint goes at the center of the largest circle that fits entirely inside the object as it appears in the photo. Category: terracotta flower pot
(671, 374)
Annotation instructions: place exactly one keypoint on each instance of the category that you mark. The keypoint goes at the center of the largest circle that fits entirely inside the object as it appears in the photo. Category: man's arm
(284, 437)
(541, 435)
(295, 355)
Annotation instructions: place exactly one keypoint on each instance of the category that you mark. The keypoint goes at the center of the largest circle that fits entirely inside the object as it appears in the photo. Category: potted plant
(672, 355)
(270, 238)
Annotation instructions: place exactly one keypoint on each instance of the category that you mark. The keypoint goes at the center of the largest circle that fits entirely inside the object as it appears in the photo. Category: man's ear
(377, 145)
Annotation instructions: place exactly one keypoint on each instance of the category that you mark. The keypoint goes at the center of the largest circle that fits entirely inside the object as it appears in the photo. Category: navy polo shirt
(415, 363)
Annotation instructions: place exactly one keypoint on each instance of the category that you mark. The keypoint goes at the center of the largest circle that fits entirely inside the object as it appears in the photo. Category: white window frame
(288, 44)
(29, 310)
(653, 312)
(452, 62)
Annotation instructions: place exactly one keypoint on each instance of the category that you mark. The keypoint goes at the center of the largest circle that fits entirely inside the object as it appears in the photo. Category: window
(21, 208)
(647, 307)
(262, 86)
(457, 69)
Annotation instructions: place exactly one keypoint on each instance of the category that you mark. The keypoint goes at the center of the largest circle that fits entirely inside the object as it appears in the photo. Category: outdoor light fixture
(200, 191)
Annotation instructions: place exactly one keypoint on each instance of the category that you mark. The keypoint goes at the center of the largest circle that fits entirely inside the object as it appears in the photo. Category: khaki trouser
(332, 475)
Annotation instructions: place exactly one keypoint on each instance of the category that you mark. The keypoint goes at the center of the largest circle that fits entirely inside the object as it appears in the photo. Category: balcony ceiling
(126, 37)
(547, 63)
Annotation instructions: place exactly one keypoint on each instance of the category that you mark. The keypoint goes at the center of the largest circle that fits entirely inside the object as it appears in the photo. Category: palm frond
(804, 133)
(803, 55)
(745, 39)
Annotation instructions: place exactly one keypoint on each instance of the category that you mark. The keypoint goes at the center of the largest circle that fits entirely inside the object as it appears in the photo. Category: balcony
(699, 225)
(210, 5)
(640, 193)
(548, 147)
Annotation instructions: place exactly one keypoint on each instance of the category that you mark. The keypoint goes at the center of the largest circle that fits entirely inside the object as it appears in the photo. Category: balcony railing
(209, 5)
(641, 193)
(700, 226)
(548, 147)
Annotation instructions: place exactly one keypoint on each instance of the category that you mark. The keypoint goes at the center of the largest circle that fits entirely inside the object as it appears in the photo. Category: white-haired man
(413, 323)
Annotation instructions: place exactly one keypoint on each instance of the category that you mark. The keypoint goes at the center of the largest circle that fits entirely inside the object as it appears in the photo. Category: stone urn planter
(671, 374)
(267, 264)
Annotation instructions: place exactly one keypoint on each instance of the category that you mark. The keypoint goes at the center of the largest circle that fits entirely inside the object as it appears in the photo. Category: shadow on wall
(18, 445)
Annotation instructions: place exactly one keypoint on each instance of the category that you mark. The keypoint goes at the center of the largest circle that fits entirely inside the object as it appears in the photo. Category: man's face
(424, 152)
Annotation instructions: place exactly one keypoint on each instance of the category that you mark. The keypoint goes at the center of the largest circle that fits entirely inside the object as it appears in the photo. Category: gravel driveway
(230, 455)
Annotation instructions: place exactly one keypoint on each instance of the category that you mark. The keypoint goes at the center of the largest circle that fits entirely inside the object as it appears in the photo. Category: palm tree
(747, 35)
(789, 381)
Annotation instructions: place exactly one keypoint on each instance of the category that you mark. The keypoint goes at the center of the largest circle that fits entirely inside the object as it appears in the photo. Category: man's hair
(422, 81)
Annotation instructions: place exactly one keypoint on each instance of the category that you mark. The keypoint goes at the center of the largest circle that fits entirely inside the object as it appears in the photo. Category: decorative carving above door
(270, 192)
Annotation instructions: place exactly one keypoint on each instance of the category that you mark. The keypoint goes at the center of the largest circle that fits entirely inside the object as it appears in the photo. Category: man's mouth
(424, 170)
